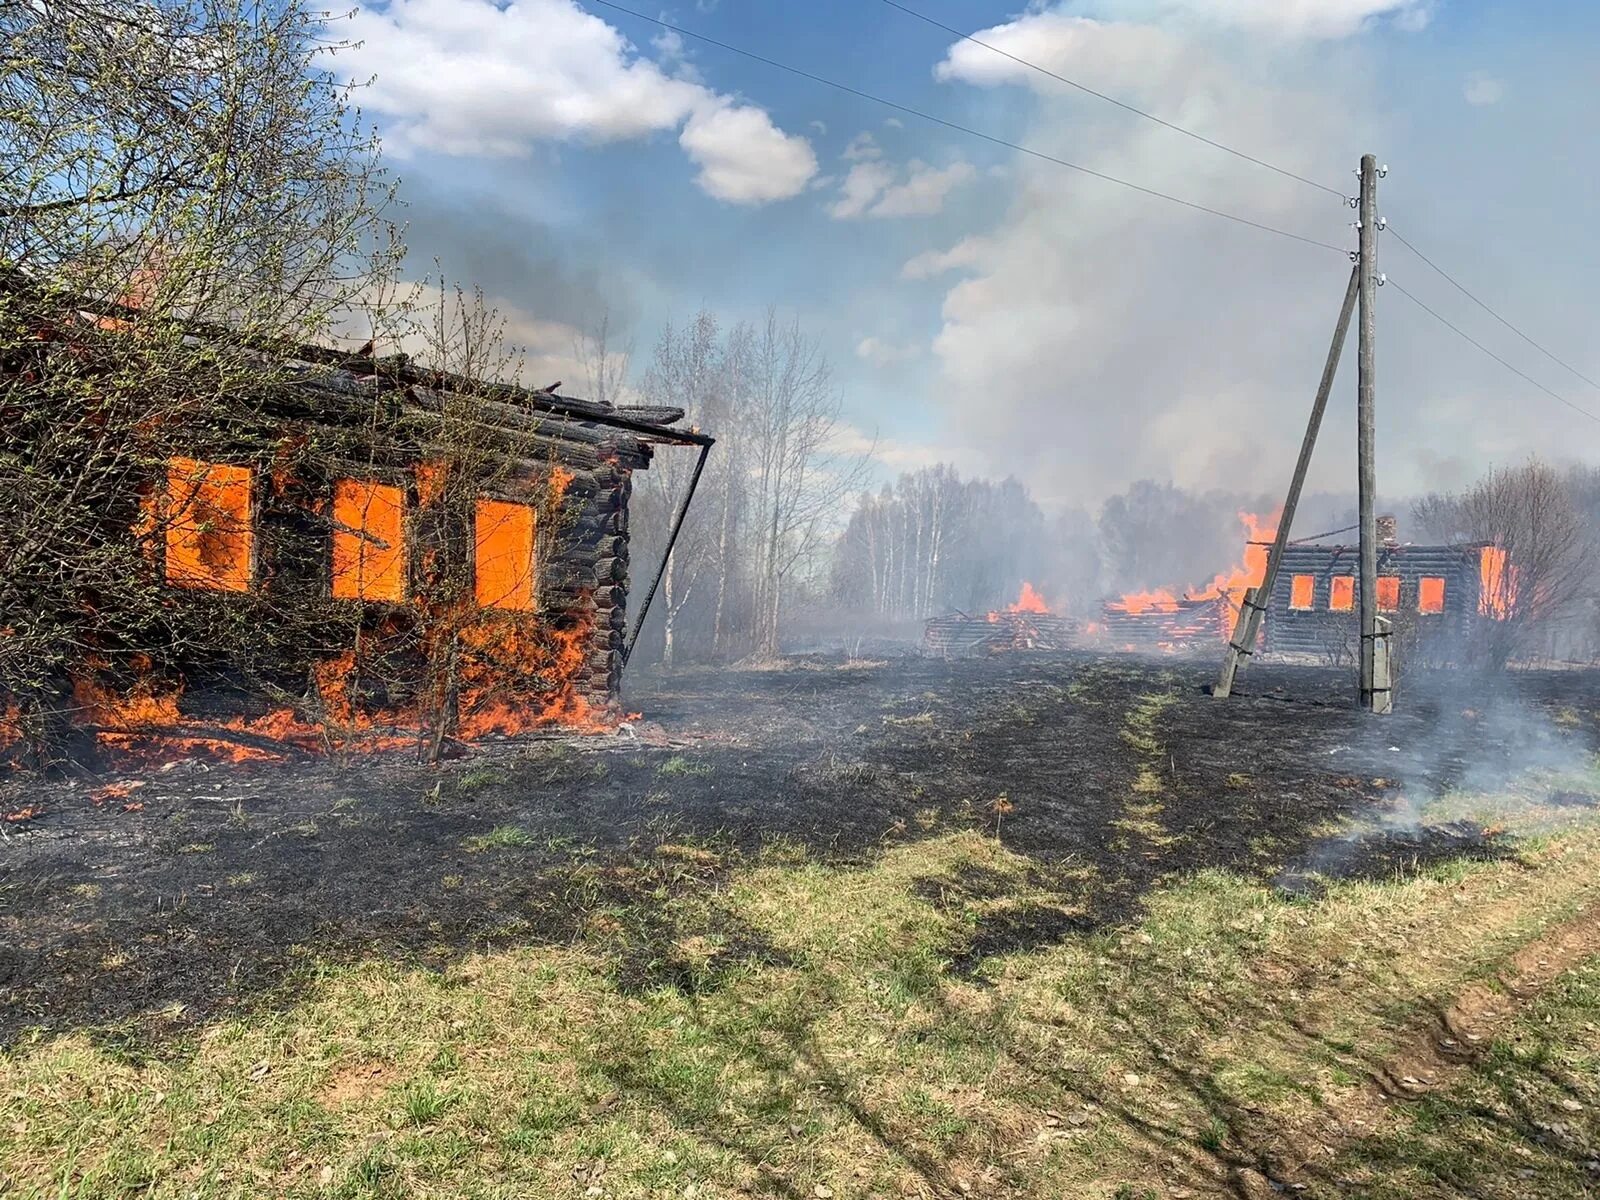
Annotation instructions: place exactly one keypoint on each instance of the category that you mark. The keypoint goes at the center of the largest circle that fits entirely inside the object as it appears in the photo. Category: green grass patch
(923, 1018)
(679, 766)
(501, 837)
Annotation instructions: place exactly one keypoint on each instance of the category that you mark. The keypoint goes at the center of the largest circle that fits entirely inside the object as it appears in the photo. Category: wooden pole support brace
(1383, 666)
(1242, 644)
(1249, 624)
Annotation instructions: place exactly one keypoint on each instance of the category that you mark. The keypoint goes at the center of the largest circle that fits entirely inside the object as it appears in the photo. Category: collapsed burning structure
(363, 548)
(1163, 619)
(1027, 624)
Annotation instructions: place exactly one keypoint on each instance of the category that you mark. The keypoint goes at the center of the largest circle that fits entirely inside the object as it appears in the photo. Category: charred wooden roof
(334, 385)
(337, 387)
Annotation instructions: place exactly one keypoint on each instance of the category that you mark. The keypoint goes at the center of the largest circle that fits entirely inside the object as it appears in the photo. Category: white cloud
(743, 157)
(881, 353)
(877, 189)
(932, 263)
(1089, 319)
(924, 190)
(864, 184)
(862, 148)
(1099, 54)
(1483, 89)
(1305, 18)
(1141, 54)
(473, 77)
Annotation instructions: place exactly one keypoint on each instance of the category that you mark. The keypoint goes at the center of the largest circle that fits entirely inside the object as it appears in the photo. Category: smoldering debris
(1469, 756)
(1395, 853)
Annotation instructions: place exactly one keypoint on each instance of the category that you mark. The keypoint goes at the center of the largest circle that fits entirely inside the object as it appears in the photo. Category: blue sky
(1007, 314)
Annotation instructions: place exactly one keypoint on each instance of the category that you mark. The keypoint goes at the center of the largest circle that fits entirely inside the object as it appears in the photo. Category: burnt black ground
(229, 884)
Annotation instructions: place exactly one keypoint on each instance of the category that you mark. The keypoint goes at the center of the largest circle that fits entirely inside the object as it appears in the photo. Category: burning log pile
(1164, 620)
(1026, 625)
(1166, 624)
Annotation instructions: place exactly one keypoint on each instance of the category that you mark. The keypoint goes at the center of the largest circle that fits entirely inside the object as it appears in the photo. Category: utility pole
(1256, 601)
(1374, 682)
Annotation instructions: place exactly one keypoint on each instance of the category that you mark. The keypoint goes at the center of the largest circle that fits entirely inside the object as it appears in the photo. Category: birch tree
(798, 479)
(687, 372)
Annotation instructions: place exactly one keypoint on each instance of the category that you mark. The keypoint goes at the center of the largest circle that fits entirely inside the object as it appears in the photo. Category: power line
(1447, 278)
(970, 132)
(1554, 395)
(1149, 116)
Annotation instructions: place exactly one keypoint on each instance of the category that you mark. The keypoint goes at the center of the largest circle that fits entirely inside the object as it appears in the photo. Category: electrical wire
(1126, 107)
(1554, 395)
(969, 131)
(1447, 278)
(1312, 537)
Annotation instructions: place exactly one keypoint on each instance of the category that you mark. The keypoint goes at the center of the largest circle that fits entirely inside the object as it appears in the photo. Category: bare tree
(799, 480)
(933, 541)
(605, 369)
(686, 371)
(1528, 514)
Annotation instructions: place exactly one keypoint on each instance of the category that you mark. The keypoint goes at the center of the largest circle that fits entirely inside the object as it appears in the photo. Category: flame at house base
(512, 681)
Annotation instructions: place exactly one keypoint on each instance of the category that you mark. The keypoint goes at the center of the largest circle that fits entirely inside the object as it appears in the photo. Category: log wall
(1320, 630)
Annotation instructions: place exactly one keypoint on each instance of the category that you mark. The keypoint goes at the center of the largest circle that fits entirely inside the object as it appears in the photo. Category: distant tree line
(881, 560)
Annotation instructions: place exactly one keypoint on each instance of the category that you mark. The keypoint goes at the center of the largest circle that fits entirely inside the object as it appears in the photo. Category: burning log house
(419, 598)
(1442, 592)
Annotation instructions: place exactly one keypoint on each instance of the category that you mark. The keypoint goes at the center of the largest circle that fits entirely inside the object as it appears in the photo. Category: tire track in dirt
(1430, 1057)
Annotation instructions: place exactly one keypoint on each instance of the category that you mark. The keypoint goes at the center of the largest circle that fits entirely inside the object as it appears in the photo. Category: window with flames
(369, 547)
(206, 516)
(209, 538)
(505, 555)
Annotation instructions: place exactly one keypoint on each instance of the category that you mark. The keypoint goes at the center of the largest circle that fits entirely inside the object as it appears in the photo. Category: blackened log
(651, 414)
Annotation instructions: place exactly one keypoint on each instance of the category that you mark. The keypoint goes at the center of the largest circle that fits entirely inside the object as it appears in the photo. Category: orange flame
(1497, 595)
(1159, 600)
(10, 725)
(369, 552)
(1030, 601)
(513, 674)
(560, 480)
(209, 537)
(1233, 583)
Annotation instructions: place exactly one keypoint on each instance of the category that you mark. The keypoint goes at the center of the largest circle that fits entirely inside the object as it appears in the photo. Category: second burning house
(1436, 594)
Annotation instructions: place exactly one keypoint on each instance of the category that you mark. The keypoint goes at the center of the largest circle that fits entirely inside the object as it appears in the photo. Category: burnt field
(182, 892)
